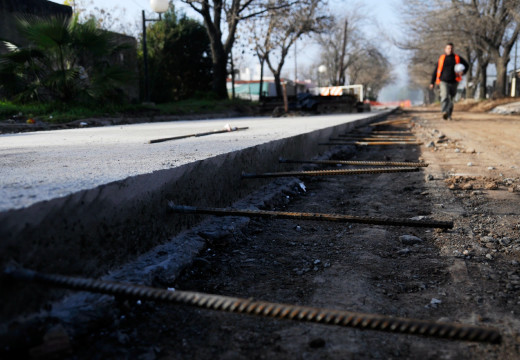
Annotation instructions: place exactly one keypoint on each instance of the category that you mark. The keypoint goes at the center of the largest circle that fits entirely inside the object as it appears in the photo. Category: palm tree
(64, 60)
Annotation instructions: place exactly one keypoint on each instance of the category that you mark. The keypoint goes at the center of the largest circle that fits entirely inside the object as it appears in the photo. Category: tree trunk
(276, 73)
(278, 84)
(233, 95)
(260, 95)
(220, 77)
(219, 58)
(483, 80)
(470, 83)
(470, 89)
(341, 71)
(500, 87)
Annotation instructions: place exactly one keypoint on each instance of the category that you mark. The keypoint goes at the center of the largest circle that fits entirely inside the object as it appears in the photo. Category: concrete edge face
(91, 232)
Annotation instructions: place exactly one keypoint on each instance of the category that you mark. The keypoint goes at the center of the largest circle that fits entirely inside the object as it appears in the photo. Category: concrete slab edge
(92, 232)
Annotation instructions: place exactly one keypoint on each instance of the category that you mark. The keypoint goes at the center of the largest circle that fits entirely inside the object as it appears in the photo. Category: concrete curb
(94, 231)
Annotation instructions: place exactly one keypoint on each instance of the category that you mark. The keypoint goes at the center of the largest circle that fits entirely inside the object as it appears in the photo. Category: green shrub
(65, 61)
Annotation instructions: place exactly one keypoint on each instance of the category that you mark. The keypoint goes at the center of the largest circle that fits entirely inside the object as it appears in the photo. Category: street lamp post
(321, 70)
(159, 6)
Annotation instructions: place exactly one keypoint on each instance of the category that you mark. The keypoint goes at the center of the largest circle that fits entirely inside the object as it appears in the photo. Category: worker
(447, 74)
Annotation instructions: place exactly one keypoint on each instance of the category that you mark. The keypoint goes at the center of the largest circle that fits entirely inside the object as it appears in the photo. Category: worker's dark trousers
(448, 92)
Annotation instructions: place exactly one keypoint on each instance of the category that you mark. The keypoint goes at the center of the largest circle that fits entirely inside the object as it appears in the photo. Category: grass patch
(61, 113)
(201, 106)
(9, 109)
(58, 112)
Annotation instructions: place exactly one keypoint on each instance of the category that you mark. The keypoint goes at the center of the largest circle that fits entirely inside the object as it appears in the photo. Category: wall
(10, 9)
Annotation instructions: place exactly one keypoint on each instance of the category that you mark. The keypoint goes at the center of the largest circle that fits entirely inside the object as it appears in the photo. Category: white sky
(383, 12)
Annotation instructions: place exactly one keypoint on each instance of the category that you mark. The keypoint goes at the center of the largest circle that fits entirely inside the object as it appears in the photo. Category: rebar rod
(398, 117)
(312, 216)
(370, 134)
(392, 132)
(330, 172)
(351, 162)
(250, 306)
(375, 136)
(361, 143)
(197, 135)
(373, 139)
(391, 122)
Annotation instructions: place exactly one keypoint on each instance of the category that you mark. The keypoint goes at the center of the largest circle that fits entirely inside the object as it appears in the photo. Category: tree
(486, 30)
(214, 13)
(420, 67)
(483, 58)
(65, 61)
(112, 19)
(494, 25)
(372, 70)
(430, 25)
(179, 55)
(274, 35)
(337, 59)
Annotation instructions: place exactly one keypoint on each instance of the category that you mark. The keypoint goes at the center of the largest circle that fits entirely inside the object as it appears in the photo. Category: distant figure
(447, 74)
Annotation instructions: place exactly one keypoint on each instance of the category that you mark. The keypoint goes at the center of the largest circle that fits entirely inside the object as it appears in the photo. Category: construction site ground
(469, 274)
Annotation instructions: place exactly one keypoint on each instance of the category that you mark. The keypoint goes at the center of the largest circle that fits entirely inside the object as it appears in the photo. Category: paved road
(44, 165)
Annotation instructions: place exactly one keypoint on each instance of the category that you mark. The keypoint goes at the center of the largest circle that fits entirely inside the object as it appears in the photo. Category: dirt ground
(470, 274)
(479, 106)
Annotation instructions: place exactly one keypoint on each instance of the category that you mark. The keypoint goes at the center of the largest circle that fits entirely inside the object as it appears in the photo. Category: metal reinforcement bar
(375, 136)
(361, 143)
(330, 172)
(392, 132)
(451, 331)
(378, 136)
(391, 122)
(349, 162)
(197, 135)
(372, 139)
(311, 216)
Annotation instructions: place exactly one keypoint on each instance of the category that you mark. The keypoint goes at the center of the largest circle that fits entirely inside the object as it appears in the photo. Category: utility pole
(515, 79)
(159, 6)
(516, 51)
(296, 62)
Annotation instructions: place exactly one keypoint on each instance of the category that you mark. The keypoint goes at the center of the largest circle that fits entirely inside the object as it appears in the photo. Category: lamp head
(159, 6)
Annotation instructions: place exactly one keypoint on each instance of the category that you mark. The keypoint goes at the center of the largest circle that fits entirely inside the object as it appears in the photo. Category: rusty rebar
(373, 139)
(378, 137)
(384, 136)
(392, 122)
(392, 132)
(330, 172)
(311, 216)
(351, 162)
(197, 135)
(361, 143)
(451, 331)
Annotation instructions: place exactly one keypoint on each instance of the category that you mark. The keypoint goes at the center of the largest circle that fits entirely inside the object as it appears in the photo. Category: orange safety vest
(440, 65)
